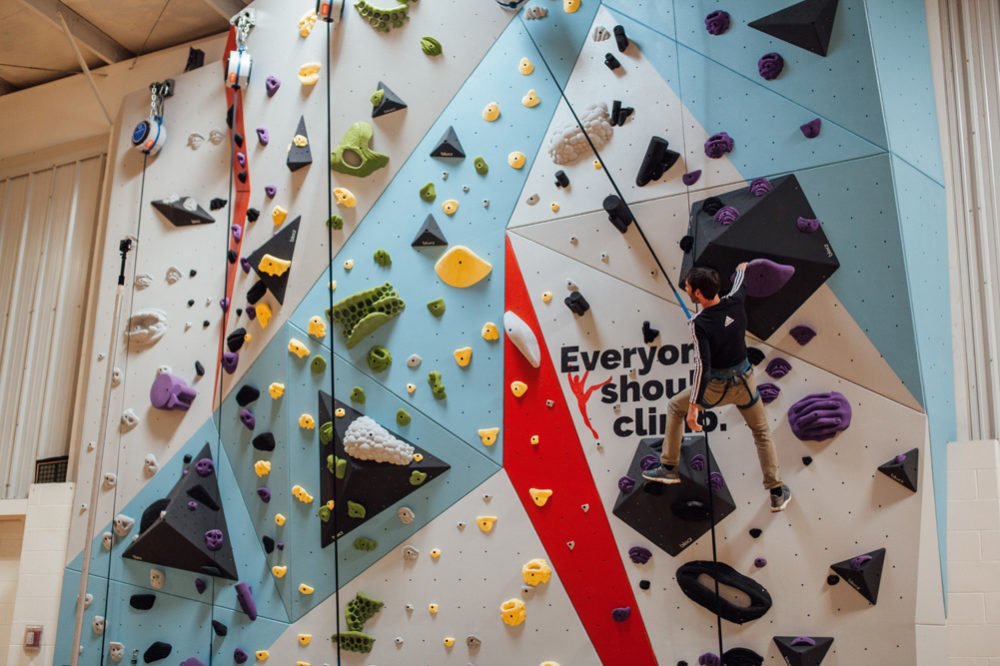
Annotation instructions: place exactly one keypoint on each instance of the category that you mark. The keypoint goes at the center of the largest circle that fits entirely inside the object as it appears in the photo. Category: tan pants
(717, 394)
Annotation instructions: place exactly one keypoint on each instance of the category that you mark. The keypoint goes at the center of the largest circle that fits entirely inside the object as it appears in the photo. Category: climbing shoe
(661, 474)
(780, 499)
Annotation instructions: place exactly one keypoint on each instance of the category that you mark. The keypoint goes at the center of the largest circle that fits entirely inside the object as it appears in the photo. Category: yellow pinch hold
(417, 457)
(279, 519)
(525, 66)
(491, 112)
(490, 331)
(488, 435)
(307, 23)
(278, 215)
(534, 440)
(512, 611)
(546, 296)
(273, 265)
(261, 655)
(531, 99)
(317, 327)
(540, 495)
(264, 313)
(279, 570)
(486, 523)
(297, 491)
(450, 207)
(518, 388)
(449, 641)
(339, 412)
(305, 639)
(461, 267)
(463, 356)
(307, 422)
(296, 347)
(305, 589)
(309, 73)
(276, 389)
(570, 6)
(345, 197)
(536, 571)
(262, 467)
(516, 159)
(554, 206)
(410, 388)
(435, 553)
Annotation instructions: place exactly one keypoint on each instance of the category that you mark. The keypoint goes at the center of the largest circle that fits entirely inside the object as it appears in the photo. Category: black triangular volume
(449, 145)
(299, 156)
(281, 246)
(903, 469)
(807, 24)
(803, 650)
(174, 530)
(390, 102)
(430, 235)
(863, 573)
(182, 211)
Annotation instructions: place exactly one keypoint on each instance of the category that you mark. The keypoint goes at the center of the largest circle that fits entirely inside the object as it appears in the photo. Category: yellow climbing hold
(549, 663)
(491, 112)
(279, 519)
(309, 73)
(435, 553)
(449, 641)
(512, 612)
(525, 66)
(463, 356)
(296, 347)
(278, 215)
(450, 207)
(330, 504)
(489, 435)
(349, 264)
(262, 467)
(490, 331)
(305, 639)
(307, 422)
(554, 206)
(264, 313)
(432, 609)
(344, 197)
(417, 457)
(597, 164)
(531, 99)
(570, 6)
(546, 296)
(461, 267)
(410, 388)
(534, 440)
(518, 388)
(536, 571)
(300, 493)
(486, 523)
(516, 159)
(273, 265)
(339, 413)
(279, 570)
(540, 495)
(307, 22)
(317, 328)
(276, 389)
(300, 140)
(262, 655)
(305, 589)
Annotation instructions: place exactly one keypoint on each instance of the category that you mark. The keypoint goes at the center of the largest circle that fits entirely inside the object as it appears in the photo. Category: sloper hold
(449, 145)
(430, 234)
(282, 246)
(803, 650)
(157, 651)
(182, 211)
(461, 267)
(863, 573)
(299, 156)
(807, 24)
(903, 469)
(387, 102)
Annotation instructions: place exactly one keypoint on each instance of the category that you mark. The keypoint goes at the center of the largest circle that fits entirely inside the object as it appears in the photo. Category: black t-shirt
(719, 334)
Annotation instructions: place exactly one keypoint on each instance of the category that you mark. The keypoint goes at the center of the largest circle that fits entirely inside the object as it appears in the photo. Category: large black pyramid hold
(367, 484)
(280, 246)
(863, 573)
(673, 516)
(299, 155)
(767, 228)
(903, 469)
(449, 145)
(182, 211)
(176, 531)
(387, 102)
(430, 235)
(807, 24)
(803, 650)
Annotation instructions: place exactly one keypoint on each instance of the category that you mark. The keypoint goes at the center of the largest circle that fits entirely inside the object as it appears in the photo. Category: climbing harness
(734, 376)
(149, 135)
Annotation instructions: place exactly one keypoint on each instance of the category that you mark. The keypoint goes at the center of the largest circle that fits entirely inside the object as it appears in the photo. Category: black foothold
(219, 628)
(624, 113)
(657, 161)
(236, 339)
(611, 61)
(205, 324)
(157, 651)
(754, 355)
(196, 58)
(192, 273)
(252, 214)
(256, 292)
(232, 256)
(187, 458)
(199, 369)
(621, 38)
(686, 244)
(239, 311)
(616, 109)
(644, 584)
(190, 302)
(238, 139)
(562, 180)
(711, 205)
(577, 303)
(649, 333)
(807, 460)
(268, 544)
(388, 103)
(242, 176)
(618, 212)
(263, 442)
(217, 203)
(142, 601)
(755, 532)
(832, 579)
(229, 116)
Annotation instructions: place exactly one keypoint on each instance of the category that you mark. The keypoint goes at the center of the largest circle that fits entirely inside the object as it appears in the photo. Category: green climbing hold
(354, 641)
(379, 358)
(377, 97)
(382, 258)
(337, 222)
(437, 387)
(427, 193)
(436, 307)
(362, 160)
(357, 394)
(382, 20)
(481, 167)
(417, 477)
(355, 510)
(324, 513)
(336, 466)
(359, 610)
(326, 433)
(363, 312)
(402, 417)
(317, 364)
(364, 543)
(430, 46)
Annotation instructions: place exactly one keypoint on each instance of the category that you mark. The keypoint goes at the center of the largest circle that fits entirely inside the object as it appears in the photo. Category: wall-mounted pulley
(150, 134)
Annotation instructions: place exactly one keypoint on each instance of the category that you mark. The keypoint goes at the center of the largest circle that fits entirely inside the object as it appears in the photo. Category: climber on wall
(719, 330)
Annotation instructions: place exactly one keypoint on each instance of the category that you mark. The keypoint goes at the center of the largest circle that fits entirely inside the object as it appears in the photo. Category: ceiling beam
(7, 87)
(89, 35)
(226, 8)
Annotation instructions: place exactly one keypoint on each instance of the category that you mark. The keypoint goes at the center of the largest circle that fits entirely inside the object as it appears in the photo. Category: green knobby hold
(357, 140)
(436, 307)
(430, 46)
(326, 433)
(377, 97)
(364, 543)
(317, 364)
(354, 641)
(363, 312)
(481, 167)
(382, 258)
(402, 417)
(336, 466)
(355, 510)
(417, 477)
(324, 513)
(379, 358)
(382, 20)
(357, 394)
(437, 387)
(337, 222)
(359, 610)
(427, 193)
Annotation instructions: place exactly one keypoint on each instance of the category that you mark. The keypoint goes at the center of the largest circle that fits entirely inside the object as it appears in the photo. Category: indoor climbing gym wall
(400, 321)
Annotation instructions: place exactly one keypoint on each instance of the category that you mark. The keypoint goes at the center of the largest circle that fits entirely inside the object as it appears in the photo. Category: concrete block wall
(11, 533)
(973, 553)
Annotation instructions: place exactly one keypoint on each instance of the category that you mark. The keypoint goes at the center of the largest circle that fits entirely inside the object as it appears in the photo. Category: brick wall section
(11, 533)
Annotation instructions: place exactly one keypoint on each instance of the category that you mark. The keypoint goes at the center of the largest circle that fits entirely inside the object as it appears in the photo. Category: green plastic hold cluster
(362, 313)
(354, 641)
(437, 387)
(382, 20)
(355, 510)
(359, 610)
(364, 543)
(379, 358)
(357, 140)
(382, 258)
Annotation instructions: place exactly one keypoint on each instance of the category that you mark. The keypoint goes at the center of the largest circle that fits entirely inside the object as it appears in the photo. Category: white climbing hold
(523, 338)
(365, 439)
(173, 274)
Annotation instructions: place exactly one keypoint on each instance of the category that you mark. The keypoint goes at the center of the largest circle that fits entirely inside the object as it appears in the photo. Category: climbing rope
(715, 553)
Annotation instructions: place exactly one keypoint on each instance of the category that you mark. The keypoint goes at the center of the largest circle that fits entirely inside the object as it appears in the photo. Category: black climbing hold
(807, 460)
(620, 38)
(199, 369)
(299, 156)
(268, 544)
(755, 532)
(644, 584)
(256, 292)
(282, 246)
(239, 311)
(430, 235)
(157, 651)
(562, 180)
(806, 24)
(142, 601)
(247, 393)
(229, 116)
(190, 302)
(711, 205)
(235, 341)
(232, 256)
(616, 108)
(657, 161)
(390, 102)
(649, 333)
(832, 579)
(206, 324)
(177, 213)
(704, 595)
(449, 145)
(686, 243)
(242, 176)
(263, 442)
(577, 303)
(903, 469)
(187, 459)
(202, 495)
(192, 273)
(196, 58)
(238, 139)
(219, 628)
(624, 113)
(754, 355)
(252, 214)
(803, 650)
(740, 656)
(618, 212)
(863, 573)
(611, 61)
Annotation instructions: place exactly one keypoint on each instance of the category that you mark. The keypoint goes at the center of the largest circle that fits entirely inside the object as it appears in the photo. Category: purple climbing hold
(626, 484)
(717, 22)
(718, 145)
(214, 539)
(263, 136)
(621, 614)
(807, 225)
(264, 494)
(240, 656)
(200, 585)
(229, 361)
(802, 333)
(770, 65)
(859, 561)
(192, 661)
(251, 312)
(245, 265)
(716, 482)
(192, 505)
(760, 562)
(171, 392)
(760, 186)
(272, 83)
(777, 367)
(280, 545)
(237, 232)
(224, 303)
(766, 278)
(768, 392)
(247, 418)
(726, 215)
(803, 640)
(899, 458)
(811, 129)
(244, 595)
(709, 659)
(648, 462)
(639, 554)
(242, 159)
(204, 467)
(691, 177)
(697, 462)
(819, 416)
(270, 191)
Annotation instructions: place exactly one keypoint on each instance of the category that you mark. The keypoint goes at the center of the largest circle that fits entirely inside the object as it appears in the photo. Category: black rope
(715, 554)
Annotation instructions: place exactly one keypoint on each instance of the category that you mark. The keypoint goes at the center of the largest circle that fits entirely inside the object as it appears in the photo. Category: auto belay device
(239, 64)
(150, 134)
(324, 10)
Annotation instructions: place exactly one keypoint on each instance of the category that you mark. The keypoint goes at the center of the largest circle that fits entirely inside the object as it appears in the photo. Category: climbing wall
(397, 410)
